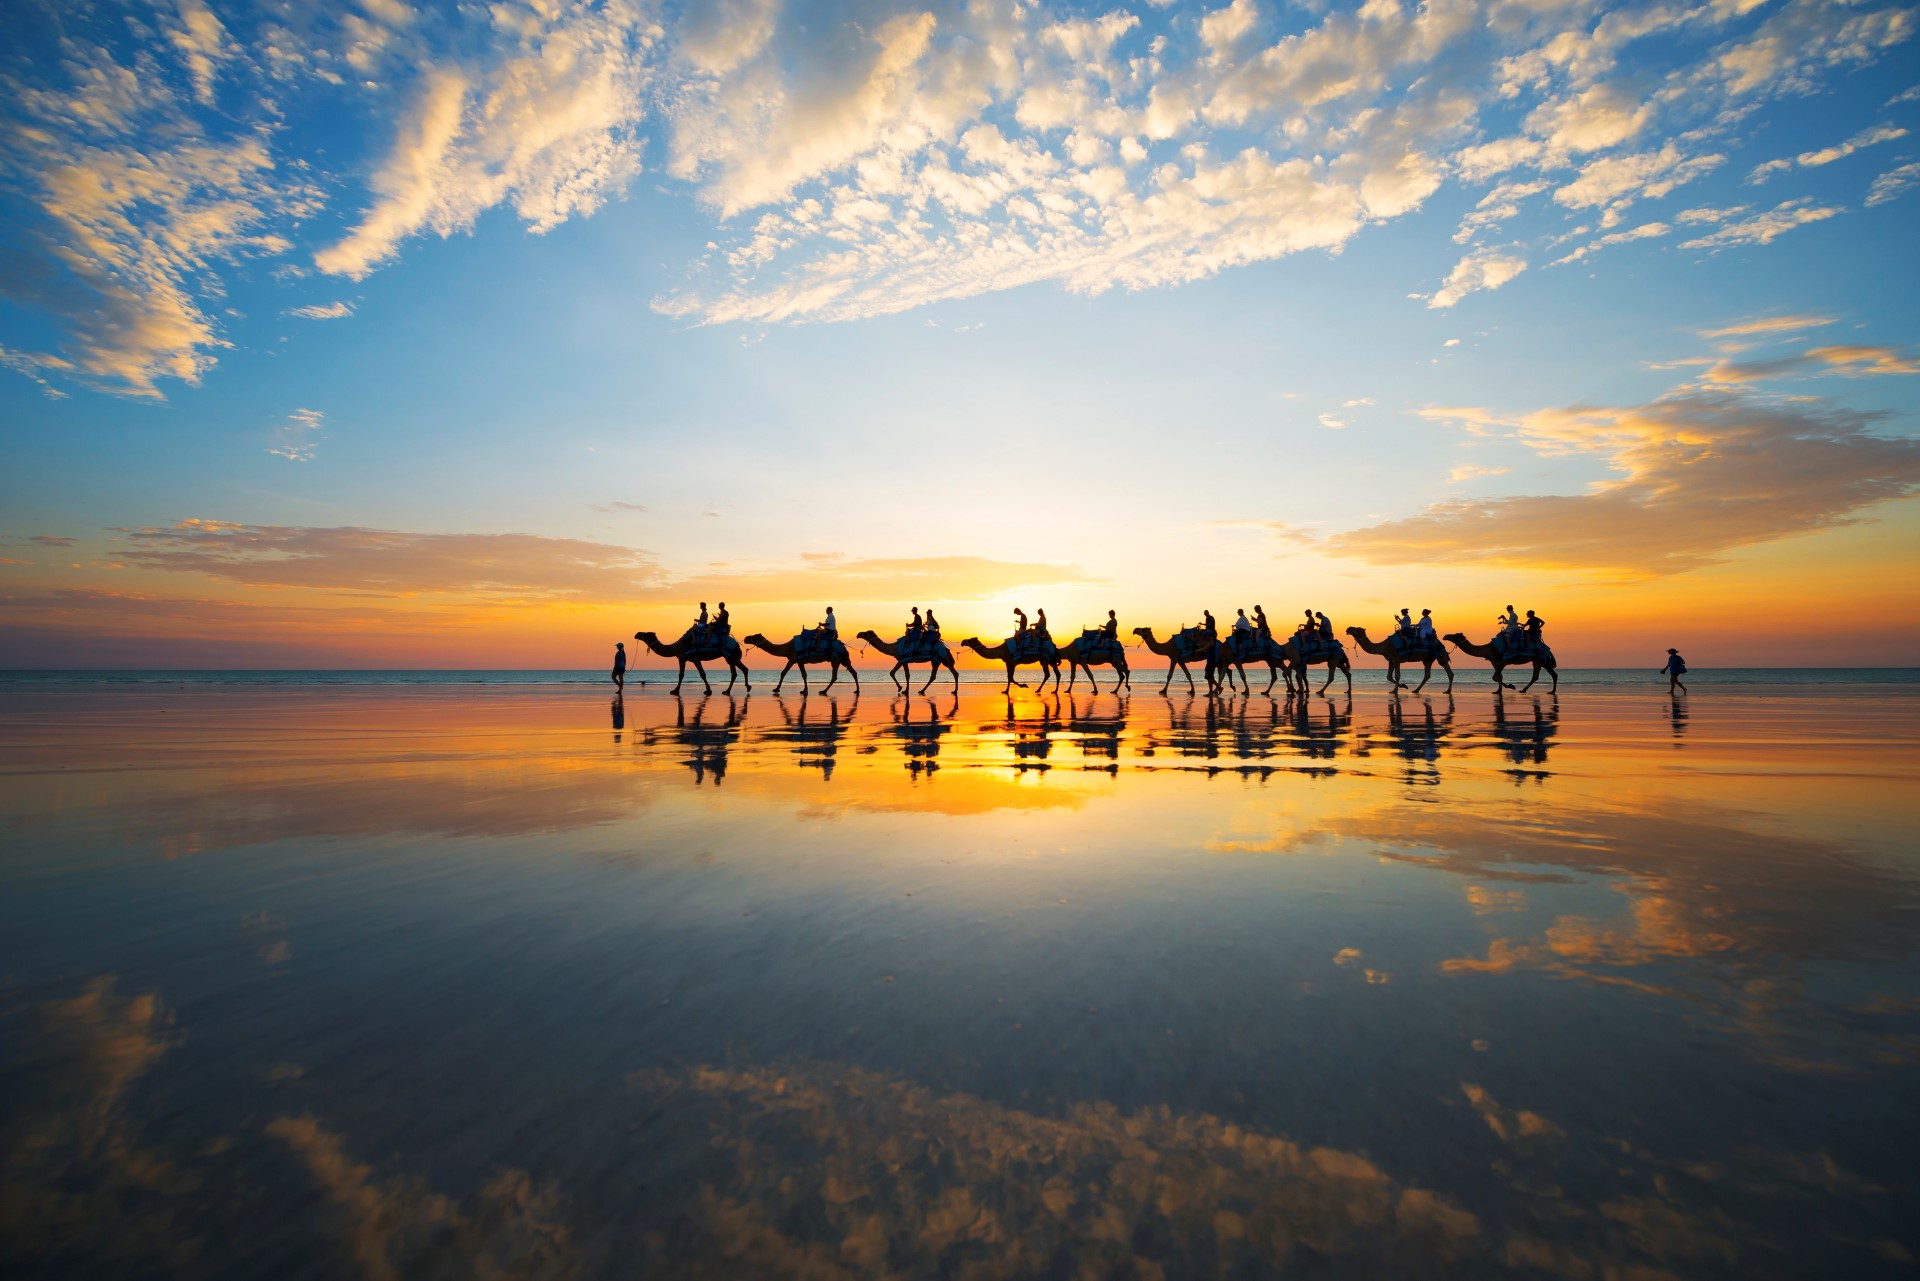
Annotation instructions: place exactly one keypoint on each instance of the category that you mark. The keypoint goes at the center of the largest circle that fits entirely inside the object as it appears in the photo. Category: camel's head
(973, 643)
(755, 639)
(1458, 638)
(647, 638)
(870, 636)
(1144, 633)
(1358, 633)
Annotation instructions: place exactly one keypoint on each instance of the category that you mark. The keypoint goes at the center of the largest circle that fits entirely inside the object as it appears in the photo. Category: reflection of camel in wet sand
(1170, 650)
(1116, 658)
(1001, 653)
(1388, 650)
(787, 649)
(1501, 662)
(1335, 659)
(817, 744)
(708, 741)
(684, 652)
(942, 657)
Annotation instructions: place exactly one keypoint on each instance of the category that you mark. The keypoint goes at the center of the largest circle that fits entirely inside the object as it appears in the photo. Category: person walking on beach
(1676, 668)
(620, 666)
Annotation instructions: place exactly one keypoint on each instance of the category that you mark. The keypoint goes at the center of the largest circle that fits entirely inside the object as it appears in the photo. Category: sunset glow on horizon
(392, 335)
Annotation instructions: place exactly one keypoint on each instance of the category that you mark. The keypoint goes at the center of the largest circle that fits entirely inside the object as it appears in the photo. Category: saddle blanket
(1521, 649)
(1191, 642)
(1415, 648)
(919, 647)
(1318, 649)
(1028, 647)
(814, 645)
(1097, 646)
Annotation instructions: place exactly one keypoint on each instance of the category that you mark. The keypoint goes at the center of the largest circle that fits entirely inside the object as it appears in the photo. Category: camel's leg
(1346, 670)
(1530, 683)
(681, 677)
(783, 676)
(702, 669)
(1555, 673)
(892, 675)
(1424, 679)
(1447, 667)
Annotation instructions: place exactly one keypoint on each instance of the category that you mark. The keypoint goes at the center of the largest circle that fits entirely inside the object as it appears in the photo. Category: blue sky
(978, 303)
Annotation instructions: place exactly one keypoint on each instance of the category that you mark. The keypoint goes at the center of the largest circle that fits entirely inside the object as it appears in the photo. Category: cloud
(1848, 359)
(295, 438)
(51, 540)
(1764, 228)
(1328, 420)
(1768, 325)
(1894, 183)
(500, 567)
(1827, 155)
(327, 311)
(1467, 471)
(1696, 474)
(1615, 182)
(1482, 269)
(548, 125)
(618, 506)
(1646, 231)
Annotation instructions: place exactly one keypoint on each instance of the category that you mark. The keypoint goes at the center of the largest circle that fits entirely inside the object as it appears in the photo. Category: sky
(373, 334)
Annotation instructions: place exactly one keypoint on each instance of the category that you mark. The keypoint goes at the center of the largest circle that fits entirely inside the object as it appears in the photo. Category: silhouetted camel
(1050, 666)
(942, 657)
(787, 649)
(1388, 650)
(1335, 659)
(1236, 654)
(1116, 657)
(1170, 650)
(1501, 662)
(706, 652)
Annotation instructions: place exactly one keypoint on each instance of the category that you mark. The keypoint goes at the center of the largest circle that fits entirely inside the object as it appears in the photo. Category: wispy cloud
(296, 439)
(1827, 155)
(1894, 183)
(1481, 270)
(1764, 228)
(321, 311)
(1696, 474)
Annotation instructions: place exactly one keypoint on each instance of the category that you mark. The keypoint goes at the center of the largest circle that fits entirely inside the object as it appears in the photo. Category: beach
(504, 979)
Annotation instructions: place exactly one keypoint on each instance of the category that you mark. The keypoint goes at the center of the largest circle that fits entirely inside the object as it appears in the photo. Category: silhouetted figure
(1040, 625)
(1533, 626)
(1676, 668)
(830, 626)
(1325, 628)
(1240, 623)
(1306, 629)
(915, 627)
(722, 623)
(1019, 621)
(1424, 629)
(701, 622)
(1403, 623)
(933, 624)
(1509, 624)
(1260, 623)
(1112, 628)
(1207, 624)
(619, 675)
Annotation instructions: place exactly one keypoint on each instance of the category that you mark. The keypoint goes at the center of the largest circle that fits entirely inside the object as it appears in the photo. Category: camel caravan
(1223, 660)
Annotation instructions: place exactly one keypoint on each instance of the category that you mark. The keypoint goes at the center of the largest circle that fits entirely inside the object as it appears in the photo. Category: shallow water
(512, 981)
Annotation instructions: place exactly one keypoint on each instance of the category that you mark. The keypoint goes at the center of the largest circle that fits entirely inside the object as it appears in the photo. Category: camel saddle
(1521, 649)
(1319, 649)
(1191, 642)
(1029, 646)
(1410, 645)
(919, 647)
(1095, 644)
(814, 645)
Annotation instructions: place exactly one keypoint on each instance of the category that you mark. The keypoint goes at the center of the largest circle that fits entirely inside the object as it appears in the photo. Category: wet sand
(435, 982)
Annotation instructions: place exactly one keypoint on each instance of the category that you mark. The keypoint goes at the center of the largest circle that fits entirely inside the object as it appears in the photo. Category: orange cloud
(1701, 473)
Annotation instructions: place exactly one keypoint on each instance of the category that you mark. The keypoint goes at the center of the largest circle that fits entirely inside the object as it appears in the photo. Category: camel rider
(1533, 626)
(700, 623)
(1509, 623)
(933, 624)
(722, 623)
(1260, 623)
(1403, 621)
(915, 627)
(1424, 629)
(1240, 623)
(1019, 621)
(1111, 628)
(1325, 628)
(1208, 626)
(1307, 628)
(1040, 625)
(829, 627)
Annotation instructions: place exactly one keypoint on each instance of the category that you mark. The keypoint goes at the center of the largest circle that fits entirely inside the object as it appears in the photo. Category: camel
(1170, 650)
(1001, 653)
(787, 649)
(1336, 662)
(685, 652)
(1071, 652)
(1228, 660)
(1501, 662)
(1387, 650)
(943, 657)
